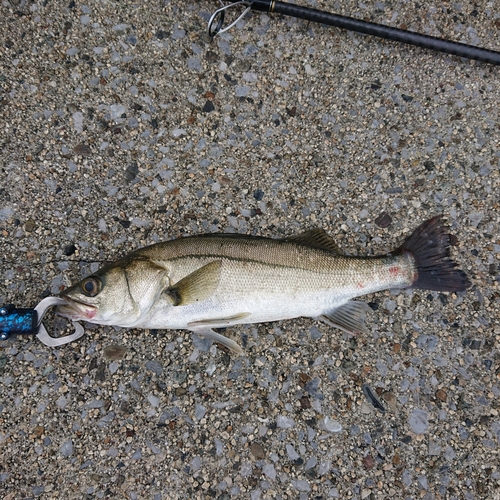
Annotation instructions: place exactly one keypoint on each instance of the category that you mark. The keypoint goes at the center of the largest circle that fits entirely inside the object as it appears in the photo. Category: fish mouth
(76, 310)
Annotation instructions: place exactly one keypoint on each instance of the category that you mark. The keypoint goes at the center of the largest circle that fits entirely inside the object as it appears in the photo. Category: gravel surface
(122, 125)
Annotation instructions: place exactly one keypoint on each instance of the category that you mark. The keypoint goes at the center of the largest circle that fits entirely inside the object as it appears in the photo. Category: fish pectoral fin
(317, 238)
(208, 333)
(197, 286)
(349, 317)
(219, 322)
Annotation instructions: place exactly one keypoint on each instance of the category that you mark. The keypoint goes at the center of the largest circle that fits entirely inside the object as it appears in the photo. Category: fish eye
(91, 286)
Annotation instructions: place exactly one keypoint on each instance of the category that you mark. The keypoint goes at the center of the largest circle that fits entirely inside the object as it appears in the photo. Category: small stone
(301, 485)
(177, 132)
(269, 471)
(257, 451)
(324, 467)
(208, 107)
(368, 462)
(327, 424)
(82, 149)
(441, 395)
(114, 352)
(38, 490)
(434, 448)
(38, 431)
(419, 421)
(120, 27)
(67, 448)
(29, 226)
(258, 194)
(291, 452)
(131, 172)
(199, 411)
(154, 400)
(365, 493)
(69, 250)
(285, 422)
(311, 462)
(365, 408)
(154, 367)
(390, 399)
(242, 90)
(196, 463)
(383, 220)
(113, 367)
(305, 403)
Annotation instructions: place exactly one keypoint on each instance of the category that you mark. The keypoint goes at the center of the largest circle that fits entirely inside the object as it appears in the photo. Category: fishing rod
(216, 26)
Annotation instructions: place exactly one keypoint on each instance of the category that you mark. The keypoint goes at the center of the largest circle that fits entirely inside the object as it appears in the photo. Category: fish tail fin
(429, 245)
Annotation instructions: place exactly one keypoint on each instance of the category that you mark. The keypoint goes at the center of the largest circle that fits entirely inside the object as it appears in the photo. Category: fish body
(205, 282)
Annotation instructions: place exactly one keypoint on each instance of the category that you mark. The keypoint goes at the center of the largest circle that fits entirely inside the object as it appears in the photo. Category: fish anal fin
(317, 238)
(197, 286)
(349, 317)
(208, 333)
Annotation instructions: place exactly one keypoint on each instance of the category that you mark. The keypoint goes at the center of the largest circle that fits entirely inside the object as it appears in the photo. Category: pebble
(66, 448)
(327, 424)
(292, 454)
(301, 485)
(419, 421)
(269, 471)
(200, 411)
(285, 422)
(257, 451)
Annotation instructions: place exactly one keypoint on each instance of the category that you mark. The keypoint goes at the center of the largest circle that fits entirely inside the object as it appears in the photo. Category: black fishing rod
(216, 22)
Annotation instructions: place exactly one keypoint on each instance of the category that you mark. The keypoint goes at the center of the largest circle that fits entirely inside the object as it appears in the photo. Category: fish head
(118, 294)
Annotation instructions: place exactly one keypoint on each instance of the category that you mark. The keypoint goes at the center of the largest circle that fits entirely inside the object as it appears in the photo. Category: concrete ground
(122, 124)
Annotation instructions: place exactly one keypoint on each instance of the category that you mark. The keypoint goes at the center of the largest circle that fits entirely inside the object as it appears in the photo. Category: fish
(207, 282)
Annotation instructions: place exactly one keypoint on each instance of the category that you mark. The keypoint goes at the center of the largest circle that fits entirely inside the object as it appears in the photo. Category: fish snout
(76, 310)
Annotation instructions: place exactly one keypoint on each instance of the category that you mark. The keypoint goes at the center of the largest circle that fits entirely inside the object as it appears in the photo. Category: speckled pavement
(122, 124)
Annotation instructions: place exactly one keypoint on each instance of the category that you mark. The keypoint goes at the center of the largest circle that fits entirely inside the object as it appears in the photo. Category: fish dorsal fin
(317, 238)
(197, 286)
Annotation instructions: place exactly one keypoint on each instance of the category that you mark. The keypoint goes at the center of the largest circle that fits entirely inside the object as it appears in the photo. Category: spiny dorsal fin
(317, 238)
(197, 286)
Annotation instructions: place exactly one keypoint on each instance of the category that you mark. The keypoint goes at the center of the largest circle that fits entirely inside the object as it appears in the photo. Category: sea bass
(201, 283)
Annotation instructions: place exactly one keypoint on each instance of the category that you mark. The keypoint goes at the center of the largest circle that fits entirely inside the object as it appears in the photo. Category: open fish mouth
(76, 310)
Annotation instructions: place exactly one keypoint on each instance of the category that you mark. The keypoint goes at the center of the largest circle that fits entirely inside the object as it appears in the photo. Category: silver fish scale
(270, 279)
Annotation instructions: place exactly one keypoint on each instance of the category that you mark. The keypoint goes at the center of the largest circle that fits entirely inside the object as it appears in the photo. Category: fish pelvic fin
(349, 317)
(209, 334)
(197, 286)
(429, 245)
